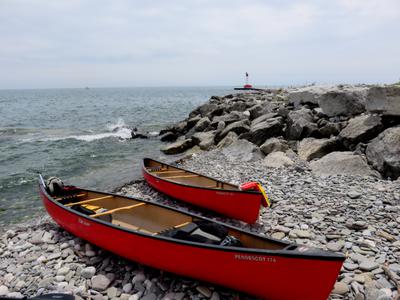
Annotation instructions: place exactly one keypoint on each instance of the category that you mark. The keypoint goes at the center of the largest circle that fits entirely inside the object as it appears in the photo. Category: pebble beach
(355, 213)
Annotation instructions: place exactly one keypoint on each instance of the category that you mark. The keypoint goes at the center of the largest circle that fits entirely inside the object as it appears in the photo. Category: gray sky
(102, 43)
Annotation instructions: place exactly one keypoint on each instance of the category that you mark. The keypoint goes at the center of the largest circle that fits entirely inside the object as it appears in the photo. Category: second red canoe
(224, 198)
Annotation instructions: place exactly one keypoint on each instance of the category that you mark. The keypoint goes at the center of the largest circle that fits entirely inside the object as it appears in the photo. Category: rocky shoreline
(325, 166)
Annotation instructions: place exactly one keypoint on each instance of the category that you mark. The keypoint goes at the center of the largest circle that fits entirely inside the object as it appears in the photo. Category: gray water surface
(81, 136)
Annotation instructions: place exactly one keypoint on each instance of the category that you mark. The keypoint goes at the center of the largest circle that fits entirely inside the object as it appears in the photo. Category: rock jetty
(341, 122)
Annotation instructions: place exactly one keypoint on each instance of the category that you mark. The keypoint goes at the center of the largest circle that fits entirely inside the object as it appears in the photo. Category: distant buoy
(247, 86)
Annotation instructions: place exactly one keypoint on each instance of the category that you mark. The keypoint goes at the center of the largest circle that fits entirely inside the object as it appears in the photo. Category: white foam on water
(118, 130)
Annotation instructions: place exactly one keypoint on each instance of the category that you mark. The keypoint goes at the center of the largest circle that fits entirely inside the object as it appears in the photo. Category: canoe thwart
(117, 209)
(88, 201)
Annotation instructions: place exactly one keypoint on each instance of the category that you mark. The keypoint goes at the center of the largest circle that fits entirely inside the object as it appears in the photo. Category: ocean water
(81, 136)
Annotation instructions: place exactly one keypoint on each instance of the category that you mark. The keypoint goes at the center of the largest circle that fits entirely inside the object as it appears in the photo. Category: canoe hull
(267, 276)
(238, 205)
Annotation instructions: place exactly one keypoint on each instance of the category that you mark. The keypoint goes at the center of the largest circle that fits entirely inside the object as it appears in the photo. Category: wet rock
(344, 163)
(311, 148)
(242, 150)
(178, 147)
(384, 99)
(383, 153)
(277, 159)
(273, 145)
(169, 137)
(360, 129)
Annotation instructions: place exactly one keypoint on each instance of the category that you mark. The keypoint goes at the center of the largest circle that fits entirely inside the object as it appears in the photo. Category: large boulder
(204, 109)
(237, 106)
(342, 103)
(178, 147)
(205, 140)
(233, 116)
(329, 129)
(242, 150)
(228, 140)
(169, 137)
(342, 163)
(262, 131)
(238, 127)
(202, 124)
(305, 95)
(300, 124)
(277, 159)
(260, 109)
(311, 148)
(263, 118)
(384, 99)
(192, 122)
(360, 129)
(274, 145)
(383, 153)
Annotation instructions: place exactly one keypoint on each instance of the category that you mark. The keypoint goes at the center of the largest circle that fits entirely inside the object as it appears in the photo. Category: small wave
(154, 133)
(118, 130)
(123, 133)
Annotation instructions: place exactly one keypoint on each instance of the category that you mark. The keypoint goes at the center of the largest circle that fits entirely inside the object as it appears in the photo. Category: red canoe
(224, 198)
(193, 246)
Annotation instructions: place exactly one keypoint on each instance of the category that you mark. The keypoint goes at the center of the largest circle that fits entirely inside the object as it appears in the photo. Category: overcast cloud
(79, 43)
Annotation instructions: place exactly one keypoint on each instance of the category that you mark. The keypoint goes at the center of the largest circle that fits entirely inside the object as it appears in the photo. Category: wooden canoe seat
(181, 225)
(181, 176)
(90, 200)
(131, 226)
(167, 172)
(117, 209)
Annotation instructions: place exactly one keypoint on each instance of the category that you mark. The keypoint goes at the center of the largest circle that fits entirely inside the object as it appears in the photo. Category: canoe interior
(148, 218)
(173, 174)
